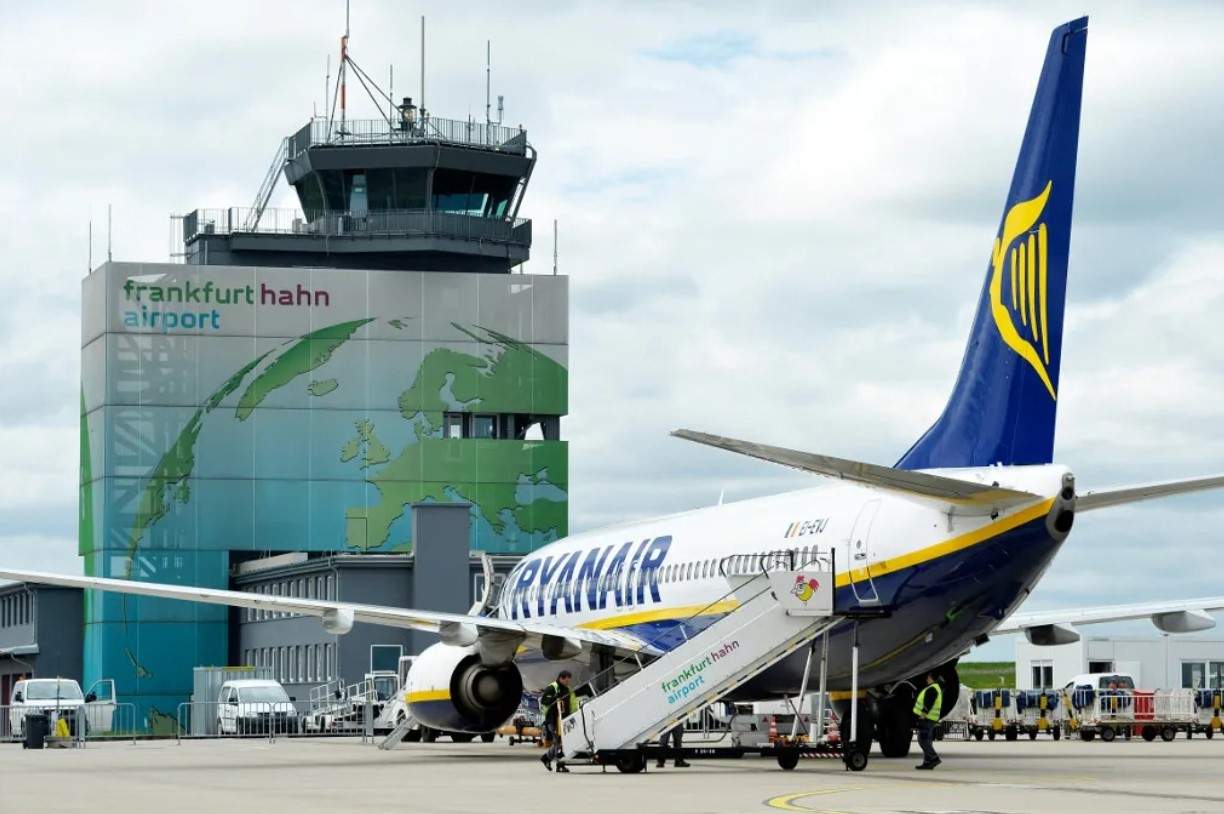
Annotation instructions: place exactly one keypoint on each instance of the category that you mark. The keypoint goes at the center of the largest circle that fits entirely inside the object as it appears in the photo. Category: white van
(255, 706)
(57, 697)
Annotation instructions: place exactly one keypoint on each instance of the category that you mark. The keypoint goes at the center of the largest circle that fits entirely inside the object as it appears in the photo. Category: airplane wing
(1101, 498)
(919, 484)
(453, 628)
(1172, 616)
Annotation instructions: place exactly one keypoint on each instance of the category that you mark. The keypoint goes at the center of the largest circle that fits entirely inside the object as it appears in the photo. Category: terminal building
(275, 412)
(1163, 662)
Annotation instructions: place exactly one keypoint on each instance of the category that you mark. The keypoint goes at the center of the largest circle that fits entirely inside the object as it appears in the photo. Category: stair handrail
(762, 560)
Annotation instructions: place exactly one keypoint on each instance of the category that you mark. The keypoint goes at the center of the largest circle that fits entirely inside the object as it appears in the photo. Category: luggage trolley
(1039, 712)
(994, 714)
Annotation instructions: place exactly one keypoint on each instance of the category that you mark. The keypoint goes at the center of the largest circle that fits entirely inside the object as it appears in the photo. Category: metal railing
(246, 719)
(87, 722)
(383, 223)
(427, 130)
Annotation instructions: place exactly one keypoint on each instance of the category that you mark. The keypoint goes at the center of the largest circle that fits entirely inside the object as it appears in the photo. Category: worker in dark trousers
(556, 702)
(676, 736)
(927, 707)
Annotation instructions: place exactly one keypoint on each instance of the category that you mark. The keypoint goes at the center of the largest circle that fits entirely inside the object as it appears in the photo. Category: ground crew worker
(676, 735)
(556, 702)
(927, 707)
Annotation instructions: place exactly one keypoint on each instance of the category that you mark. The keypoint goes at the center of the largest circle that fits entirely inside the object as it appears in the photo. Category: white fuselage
(647, 577)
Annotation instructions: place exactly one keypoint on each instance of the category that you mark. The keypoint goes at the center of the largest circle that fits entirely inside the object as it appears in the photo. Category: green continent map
(513, 485)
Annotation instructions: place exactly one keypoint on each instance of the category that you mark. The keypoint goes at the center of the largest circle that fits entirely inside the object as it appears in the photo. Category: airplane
(945, 544)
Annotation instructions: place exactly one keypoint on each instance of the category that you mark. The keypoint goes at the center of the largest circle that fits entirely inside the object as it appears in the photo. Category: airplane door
(860, 551)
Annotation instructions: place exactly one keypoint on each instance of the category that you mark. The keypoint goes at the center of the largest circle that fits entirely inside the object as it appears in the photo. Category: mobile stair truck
(784, 604)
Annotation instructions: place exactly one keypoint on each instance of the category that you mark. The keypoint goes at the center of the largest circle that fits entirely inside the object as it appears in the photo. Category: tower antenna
(108, 233)
(422, 66)
(342, 73)
(488, 82)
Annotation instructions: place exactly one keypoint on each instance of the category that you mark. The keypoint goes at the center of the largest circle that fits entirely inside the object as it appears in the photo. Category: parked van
(255, 706)
(59, 698)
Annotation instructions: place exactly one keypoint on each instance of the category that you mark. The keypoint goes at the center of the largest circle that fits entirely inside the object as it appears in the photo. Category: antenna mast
(342, 72)
(488, 82)
(422, 66)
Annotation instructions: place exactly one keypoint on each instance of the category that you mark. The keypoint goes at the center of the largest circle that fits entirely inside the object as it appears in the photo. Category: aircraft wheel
(892, 727)
(488, 737)
(788, 758)
(1168, 733)
(1108, 734)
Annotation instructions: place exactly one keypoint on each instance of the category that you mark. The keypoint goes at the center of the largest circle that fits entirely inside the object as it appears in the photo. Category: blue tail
(1002, 408)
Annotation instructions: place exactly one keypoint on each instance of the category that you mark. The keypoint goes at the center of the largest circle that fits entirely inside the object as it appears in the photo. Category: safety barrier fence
(272, 719)
(80, 722)
(245, 719)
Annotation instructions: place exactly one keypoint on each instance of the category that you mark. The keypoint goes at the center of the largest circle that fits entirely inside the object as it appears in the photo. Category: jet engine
(451, 690)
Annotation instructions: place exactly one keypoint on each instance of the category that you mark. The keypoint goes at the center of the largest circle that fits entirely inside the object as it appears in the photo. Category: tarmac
(295, 776)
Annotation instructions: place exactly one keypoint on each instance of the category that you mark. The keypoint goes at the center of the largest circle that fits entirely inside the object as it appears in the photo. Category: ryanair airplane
(946, 543)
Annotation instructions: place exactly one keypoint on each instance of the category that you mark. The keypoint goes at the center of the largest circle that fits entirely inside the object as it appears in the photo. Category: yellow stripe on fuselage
(917, 557)
(662, 614)
(941, 549)
(428, 695)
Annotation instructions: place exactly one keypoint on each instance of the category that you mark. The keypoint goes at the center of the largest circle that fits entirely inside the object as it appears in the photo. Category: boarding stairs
(781, 609)
(397, 735)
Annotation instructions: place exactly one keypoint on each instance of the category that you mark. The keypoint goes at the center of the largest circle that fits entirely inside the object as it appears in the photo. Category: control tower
(281, 405)
(405, 192)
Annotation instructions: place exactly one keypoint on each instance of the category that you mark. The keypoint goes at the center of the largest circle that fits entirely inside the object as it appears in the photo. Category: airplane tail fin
(1002, 408)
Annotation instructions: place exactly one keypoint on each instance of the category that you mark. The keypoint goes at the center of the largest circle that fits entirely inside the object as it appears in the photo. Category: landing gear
(893, 723)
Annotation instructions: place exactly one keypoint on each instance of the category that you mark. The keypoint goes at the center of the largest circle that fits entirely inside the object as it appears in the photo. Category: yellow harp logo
(1022, 247)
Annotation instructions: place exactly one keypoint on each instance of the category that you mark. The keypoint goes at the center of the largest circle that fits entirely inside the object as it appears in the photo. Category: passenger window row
(741, 564)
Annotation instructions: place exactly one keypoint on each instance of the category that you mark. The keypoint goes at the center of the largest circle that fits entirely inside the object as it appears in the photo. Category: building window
(484, 426)
(1043, 675)
(452, 425)
(1100, 667)
(1203, 675)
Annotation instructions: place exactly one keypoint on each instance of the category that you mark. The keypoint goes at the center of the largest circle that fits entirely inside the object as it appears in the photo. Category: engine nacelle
(450, 689)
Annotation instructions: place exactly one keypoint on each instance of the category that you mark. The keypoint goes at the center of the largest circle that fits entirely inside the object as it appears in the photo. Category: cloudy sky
(776, 219)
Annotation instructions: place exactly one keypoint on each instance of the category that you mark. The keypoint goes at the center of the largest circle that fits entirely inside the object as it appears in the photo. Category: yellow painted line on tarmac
(787, 802)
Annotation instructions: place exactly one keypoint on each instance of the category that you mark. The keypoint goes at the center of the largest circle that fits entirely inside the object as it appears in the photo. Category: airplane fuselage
(944, 575)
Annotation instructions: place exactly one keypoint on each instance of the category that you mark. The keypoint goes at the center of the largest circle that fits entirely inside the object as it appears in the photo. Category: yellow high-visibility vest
(936, 705)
